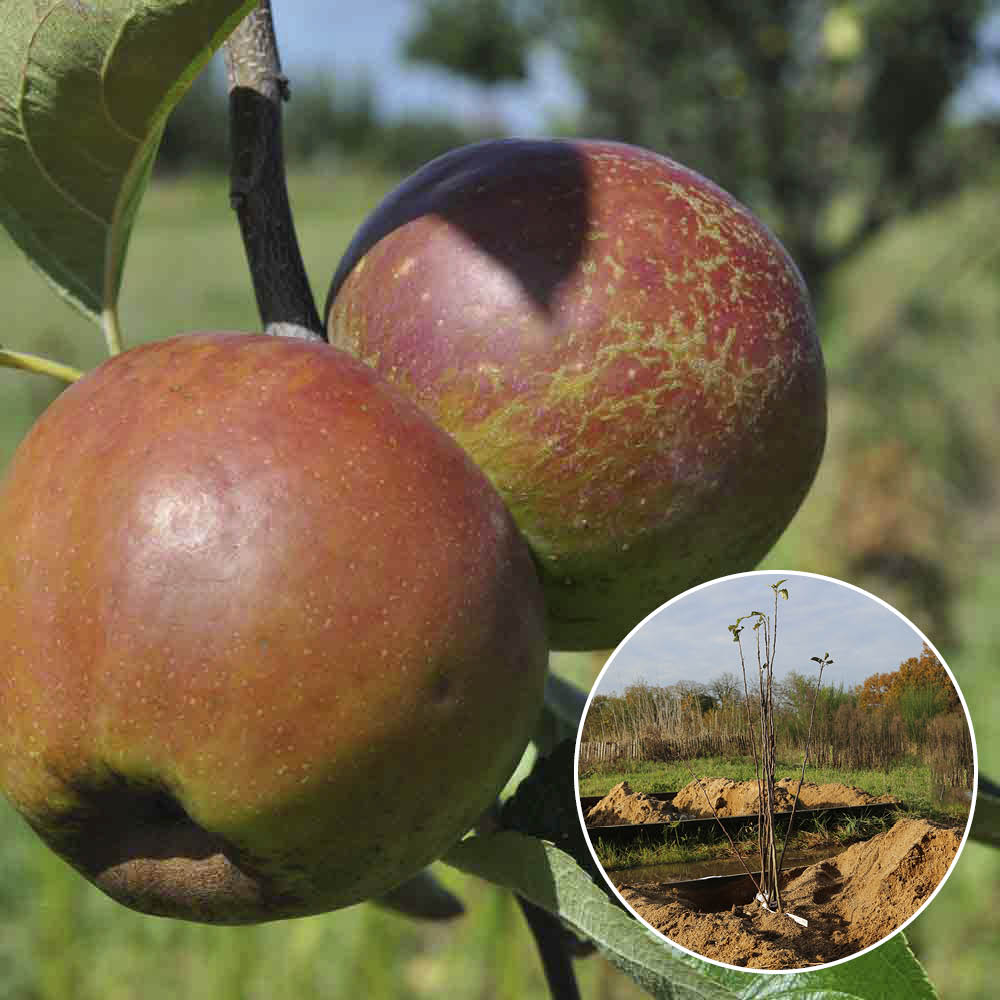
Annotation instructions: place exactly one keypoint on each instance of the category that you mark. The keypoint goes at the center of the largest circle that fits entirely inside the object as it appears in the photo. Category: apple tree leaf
(551, 879)
(561, 713)
(986, 818)
(85, 91)
(422, 897)
(544, 805)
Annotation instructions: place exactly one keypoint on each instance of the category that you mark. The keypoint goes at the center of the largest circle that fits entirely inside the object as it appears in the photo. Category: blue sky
(688, 640)
(356, 40)
(363, 40)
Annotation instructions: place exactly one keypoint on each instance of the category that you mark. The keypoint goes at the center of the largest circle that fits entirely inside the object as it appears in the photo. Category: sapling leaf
(85, 90)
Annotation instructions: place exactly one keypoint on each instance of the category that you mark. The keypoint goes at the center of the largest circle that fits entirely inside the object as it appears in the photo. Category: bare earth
(739, 798)
(851, 901)
(728, 798)
(622, 805)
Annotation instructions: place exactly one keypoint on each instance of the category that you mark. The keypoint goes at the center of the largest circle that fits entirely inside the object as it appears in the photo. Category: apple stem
(38, 365)
(258, 190)
(112, 332)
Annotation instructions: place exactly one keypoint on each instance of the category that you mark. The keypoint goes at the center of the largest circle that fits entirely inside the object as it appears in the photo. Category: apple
(624, 349)
(269, 641)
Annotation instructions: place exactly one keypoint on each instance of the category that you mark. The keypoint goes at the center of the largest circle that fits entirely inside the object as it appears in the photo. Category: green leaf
(550, 878)
(986, 819)
(422, 897)
(565, 700)
(561, 713)
(85, 90)
(545, 805)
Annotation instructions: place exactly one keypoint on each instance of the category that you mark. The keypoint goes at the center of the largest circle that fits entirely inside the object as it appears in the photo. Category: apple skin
(269, 641)
(624, 349)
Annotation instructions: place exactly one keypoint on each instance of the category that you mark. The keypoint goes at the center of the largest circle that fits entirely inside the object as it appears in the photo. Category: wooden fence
(659, 748)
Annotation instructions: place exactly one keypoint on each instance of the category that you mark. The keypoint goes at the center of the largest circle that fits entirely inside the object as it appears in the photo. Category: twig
(258, 191)
(805, 755)
(722, 826)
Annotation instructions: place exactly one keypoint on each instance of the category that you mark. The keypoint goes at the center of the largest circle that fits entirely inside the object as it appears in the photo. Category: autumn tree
(925, 671)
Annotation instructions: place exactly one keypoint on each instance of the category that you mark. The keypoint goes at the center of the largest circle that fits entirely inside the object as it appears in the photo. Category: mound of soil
(621, 805)
(739, 798)
(850, 901)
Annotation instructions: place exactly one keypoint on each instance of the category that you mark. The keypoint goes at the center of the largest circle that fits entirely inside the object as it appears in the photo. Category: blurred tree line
(913, 710)
(831, 119)
(328, 119)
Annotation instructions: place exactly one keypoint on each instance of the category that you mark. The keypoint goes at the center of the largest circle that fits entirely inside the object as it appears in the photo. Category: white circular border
(913, 916)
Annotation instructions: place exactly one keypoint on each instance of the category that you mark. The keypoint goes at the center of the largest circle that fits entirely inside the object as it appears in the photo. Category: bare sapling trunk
(766, 629)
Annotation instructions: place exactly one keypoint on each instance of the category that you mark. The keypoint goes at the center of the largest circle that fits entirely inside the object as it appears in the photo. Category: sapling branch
(768, 889)
(825, 661)
(258, 189)
(722, 826)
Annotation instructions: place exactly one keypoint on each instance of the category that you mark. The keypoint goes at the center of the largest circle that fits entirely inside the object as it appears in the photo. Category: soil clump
(740, 798)
(623, 806)
(850, 901)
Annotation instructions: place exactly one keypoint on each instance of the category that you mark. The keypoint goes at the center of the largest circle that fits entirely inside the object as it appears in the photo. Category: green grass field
(62, 940)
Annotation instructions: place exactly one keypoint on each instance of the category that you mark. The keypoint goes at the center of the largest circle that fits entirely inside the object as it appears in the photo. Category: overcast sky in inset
(689, 639)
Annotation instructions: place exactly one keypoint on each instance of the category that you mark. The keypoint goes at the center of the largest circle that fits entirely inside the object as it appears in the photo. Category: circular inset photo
(776, 771)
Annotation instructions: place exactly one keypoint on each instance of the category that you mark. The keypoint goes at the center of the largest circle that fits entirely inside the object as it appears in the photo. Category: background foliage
(836, 122)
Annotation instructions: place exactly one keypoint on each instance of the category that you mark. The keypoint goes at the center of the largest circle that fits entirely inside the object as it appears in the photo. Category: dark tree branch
(258, 192)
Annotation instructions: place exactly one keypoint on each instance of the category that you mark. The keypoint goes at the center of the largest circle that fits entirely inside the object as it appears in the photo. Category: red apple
(269, 641)
(627, 352)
